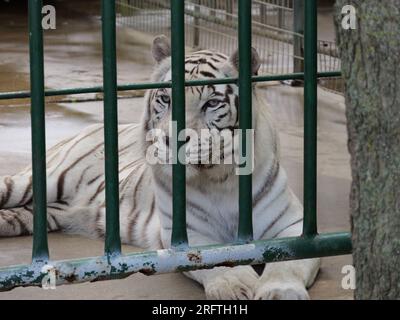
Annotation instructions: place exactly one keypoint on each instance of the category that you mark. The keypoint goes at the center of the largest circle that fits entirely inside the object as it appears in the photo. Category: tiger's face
(211, 135)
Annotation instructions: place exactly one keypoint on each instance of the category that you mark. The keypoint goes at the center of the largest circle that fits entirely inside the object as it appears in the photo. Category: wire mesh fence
(212, 24)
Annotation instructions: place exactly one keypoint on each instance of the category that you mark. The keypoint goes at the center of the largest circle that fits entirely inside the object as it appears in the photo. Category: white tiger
(75, 192)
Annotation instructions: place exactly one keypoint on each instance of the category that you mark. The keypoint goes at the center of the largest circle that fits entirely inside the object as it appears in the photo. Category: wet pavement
(73, 59)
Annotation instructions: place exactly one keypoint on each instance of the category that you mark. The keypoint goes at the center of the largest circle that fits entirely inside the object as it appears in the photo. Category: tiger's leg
(225, 283)
(15, 191)
(287, 280)
(19, 221)
(16, 214)
(82, 220)
(66, 163)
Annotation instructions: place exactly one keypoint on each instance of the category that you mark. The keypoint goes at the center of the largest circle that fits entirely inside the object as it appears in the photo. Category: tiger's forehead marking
(203, 64)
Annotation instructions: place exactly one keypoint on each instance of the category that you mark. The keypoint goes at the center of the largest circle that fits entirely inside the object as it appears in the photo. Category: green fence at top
(178, 258)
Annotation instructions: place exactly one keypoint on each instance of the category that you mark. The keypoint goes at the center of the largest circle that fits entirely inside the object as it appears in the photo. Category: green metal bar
(155, 85)
(40, 249)
(169, 260)
(310, 119)
(245, 230)
(179, 232)
(112, 234)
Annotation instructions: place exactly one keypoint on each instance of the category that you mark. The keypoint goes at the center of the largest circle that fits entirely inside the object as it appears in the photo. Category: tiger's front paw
(232, 285)
(281, 291)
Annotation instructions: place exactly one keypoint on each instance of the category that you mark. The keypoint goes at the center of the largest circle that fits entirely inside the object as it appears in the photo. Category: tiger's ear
(161, 48)
(255, 60)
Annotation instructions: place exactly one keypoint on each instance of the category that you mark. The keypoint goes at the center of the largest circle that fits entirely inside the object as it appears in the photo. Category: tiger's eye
(165, 98)
(213, 103)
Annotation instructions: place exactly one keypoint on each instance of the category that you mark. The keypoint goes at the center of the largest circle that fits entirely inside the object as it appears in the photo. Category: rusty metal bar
(169, 260)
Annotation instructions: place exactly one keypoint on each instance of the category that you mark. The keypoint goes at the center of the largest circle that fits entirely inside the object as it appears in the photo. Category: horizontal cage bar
(170, 260)
(144, 86)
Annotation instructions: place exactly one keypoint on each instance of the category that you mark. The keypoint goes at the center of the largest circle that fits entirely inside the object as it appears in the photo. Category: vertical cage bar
(112, 234)
(40, 249)
(310, 119)
(245, 230)
(179, 233)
